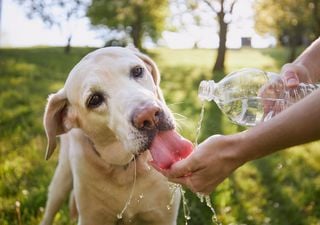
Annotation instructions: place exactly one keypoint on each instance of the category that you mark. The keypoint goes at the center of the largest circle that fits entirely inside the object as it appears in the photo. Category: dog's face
(113, 95)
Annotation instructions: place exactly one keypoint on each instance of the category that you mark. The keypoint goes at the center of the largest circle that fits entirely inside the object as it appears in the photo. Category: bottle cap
(205, 91)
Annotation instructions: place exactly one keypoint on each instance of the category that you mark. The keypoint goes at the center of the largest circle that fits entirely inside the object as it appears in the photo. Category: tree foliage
(55, 13)
(138, 18)
(293, 22)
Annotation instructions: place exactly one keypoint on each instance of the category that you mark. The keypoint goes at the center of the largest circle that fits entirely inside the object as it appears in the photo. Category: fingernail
(291, 78)
(292, 82)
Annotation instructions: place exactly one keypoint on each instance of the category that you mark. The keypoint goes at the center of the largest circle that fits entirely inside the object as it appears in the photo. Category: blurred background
(190, 40)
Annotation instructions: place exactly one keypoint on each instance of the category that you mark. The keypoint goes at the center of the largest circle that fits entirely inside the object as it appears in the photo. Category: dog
(107, 114)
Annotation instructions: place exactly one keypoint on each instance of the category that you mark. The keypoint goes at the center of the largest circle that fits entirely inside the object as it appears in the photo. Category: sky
(19, 31)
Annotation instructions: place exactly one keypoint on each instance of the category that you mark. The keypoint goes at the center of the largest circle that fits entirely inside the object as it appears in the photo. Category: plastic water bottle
(250, 96)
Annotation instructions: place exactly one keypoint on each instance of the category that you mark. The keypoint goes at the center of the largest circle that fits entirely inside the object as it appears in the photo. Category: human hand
(292, 74)
(206, 167)
(290, 77)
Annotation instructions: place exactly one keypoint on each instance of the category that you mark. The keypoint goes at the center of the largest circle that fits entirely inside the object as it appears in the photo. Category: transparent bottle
(250, 96)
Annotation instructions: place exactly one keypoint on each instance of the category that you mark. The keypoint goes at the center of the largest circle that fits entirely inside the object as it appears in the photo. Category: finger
(182, 168)
(181, 180)
(291, 78)
(156, 167)
(184, 181)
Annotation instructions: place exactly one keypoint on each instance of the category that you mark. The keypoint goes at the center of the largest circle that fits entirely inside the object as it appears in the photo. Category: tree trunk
(67, 48)
(293, 44)
(137, 31)
(136, 35)
(219, 64)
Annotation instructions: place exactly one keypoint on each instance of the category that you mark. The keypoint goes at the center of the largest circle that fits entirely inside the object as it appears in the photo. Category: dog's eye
(137, 72)
(95, 100)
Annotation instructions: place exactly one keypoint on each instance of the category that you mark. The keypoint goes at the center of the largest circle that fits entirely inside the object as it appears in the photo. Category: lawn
(280, 189)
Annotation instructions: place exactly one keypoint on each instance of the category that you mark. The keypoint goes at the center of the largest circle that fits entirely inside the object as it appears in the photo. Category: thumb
(181, 168)
(290, 77)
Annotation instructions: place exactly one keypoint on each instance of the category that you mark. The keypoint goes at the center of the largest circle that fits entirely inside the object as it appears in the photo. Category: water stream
(119, 215)
(202, 197)
(177, 187)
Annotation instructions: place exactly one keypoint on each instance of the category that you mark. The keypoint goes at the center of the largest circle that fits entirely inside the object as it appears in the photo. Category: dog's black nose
(146, 117)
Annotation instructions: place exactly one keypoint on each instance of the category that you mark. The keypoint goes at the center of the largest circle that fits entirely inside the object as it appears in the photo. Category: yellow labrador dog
(107, 114)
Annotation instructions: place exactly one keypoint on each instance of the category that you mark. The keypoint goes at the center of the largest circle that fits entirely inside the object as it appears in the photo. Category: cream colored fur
(98, 144)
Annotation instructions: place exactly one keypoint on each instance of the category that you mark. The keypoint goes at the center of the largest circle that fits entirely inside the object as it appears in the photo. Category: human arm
(305, 68)
(218, 156)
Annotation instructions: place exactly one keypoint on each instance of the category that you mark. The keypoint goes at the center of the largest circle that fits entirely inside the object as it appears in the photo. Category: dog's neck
(112, 154)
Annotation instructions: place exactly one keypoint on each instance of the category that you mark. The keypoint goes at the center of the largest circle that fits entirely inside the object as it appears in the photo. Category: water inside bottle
(252, 110)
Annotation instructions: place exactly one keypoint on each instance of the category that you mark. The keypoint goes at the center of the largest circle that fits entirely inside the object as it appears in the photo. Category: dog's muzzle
(149, 119)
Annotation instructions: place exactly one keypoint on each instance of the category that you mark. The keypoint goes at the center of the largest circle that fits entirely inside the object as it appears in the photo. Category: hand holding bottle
(250, 96)
(275, 90)
(216, 157)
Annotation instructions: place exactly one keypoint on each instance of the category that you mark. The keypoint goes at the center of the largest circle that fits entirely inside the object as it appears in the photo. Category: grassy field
(280, 189)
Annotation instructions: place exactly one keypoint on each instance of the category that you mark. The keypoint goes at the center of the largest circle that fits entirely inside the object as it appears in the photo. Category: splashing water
(120, 215)
(206, 198)
(173, 188)
(186, 210)
(202, 197)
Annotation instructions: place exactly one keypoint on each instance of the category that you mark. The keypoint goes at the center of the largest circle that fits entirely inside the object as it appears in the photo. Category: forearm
(298, 124)
(310, 59)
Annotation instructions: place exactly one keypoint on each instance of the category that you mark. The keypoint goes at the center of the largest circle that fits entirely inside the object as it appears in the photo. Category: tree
(138, 18)
(293, 22)
(56, 13)
(222, 11)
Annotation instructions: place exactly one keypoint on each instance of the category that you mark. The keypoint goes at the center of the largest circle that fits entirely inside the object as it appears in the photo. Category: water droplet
(168, 207)
(201, 197)
(207, 200)
(141, 196)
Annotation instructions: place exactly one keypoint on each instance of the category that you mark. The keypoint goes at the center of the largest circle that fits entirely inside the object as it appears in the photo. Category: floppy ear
(53, 119)
(153, 68)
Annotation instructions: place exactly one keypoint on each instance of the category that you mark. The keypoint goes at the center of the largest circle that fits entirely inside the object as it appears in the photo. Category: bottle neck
(206, 90)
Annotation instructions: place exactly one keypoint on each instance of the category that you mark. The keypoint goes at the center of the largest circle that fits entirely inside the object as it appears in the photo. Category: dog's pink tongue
(169, 147)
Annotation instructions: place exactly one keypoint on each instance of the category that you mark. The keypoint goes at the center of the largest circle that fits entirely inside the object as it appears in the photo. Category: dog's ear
(153, 68)
(53, 120)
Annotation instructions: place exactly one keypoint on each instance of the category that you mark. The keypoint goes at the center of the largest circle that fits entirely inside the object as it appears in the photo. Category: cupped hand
(208, 165)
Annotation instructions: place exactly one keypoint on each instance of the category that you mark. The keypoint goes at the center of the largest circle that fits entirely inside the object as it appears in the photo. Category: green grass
(283, 188)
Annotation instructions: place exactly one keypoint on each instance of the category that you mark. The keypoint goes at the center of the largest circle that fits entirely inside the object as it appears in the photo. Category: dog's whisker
(180, 115)
(176, 103)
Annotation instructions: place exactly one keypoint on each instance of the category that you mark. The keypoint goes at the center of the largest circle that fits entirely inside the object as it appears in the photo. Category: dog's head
(113, 96)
